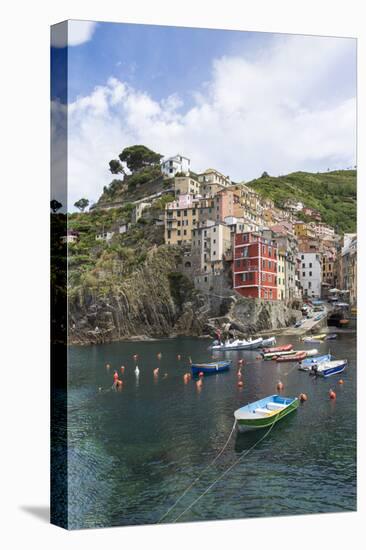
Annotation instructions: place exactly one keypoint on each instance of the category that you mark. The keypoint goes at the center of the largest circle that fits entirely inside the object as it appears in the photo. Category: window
(303, 273)
(303, 265)
(185, 213)
(179, 224)
(302, 256)
(310, 264)
(169, 234)
(237, 263)
(263, 277)
(269, 264)
(185, 232)
(270, 293)
(178, 232)
(178, 213)
(310, 273)
(309, 284)
(245, 252)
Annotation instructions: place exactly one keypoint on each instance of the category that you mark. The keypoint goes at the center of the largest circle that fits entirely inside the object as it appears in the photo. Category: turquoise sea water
(133, 452)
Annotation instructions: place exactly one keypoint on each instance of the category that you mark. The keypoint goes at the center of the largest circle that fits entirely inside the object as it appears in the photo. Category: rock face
(257, 315)
(156, 301)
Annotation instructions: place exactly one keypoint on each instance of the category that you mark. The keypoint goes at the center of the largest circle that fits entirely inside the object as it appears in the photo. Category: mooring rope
(242, 455)
(199, 477)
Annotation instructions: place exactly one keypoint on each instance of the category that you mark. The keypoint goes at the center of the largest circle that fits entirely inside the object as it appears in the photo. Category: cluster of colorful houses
(230, 231)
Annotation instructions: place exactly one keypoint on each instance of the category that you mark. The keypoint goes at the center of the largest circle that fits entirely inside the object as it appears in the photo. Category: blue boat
(328, 368)
(210, 368)
(307, 364)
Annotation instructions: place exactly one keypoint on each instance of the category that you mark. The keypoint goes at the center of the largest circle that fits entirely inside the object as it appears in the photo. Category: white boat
(268, 342)
(327, 368)
(237, 344)
(308, 364)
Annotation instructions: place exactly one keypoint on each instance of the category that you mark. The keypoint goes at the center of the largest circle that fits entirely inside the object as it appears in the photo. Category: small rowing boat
(298, 356)
(285, 347)
(210, 368)
(328, 368)
(307, 364)
(265, 412)
(313, 338)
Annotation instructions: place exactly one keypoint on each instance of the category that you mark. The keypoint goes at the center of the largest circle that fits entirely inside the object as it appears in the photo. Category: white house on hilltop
(172, 165)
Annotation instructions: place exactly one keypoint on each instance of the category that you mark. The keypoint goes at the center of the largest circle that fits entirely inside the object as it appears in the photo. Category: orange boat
(295, 357)
(285, 347)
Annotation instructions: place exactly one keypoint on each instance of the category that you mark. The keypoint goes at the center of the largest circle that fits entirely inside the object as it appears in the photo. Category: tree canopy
(138, 156)
(116, 167)
(55, 205)
(81, 204)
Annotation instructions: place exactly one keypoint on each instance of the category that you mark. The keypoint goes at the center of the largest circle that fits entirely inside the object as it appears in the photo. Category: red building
(255, 266)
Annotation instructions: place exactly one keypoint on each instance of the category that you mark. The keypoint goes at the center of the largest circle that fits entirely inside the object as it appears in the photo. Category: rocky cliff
(158, 301)
(155, 301)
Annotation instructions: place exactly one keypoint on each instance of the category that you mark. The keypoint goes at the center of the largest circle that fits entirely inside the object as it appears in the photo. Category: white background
(24, 290)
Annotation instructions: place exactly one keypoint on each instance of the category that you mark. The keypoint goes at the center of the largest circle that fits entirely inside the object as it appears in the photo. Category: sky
(240, 102)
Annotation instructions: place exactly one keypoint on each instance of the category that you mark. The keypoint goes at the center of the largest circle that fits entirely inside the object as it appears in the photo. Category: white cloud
(286, 110)
(76, 33)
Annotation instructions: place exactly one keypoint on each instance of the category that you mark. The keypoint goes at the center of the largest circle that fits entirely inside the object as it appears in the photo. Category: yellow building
(183, 215)
(302, 229)
(185, 185)
(281, 273)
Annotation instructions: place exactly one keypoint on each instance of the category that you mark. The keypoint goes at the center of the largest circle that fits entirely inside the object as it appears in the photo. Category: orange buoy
(201, 373)
(240, 384)
(122, 369)
(332, 394)
(341, 381)
(107, 366)
(280, 386)
(303, 397)
(179, 357)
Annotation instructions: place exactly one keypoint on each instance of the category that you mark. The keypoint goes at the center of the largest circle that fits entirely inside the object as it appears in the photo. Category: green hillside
(333, 194)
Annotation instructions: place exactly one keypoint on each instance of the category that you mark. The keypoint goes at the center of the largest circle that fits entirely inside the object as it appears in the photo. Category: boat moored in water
(210, 368)
(268, 342)
(285, 347)
(328, 368)
(298, 356)
(265, 412)
(237, 345)
(314, 338)
(307, 364)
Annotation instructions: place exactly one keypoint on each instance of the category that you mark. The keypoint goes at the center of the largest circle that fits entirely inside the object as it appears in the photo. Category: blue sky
(241, 102)
(160, 59)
